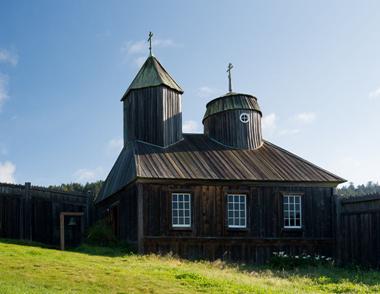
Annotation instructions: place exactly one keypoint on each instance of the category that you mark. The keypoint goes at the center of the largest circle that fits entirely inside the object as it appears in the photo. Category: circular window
(244, 118)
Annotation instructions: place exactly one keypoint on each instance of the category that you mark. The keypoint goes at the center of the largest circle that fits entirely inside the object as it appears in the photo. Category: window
(236, 210)
(244, 118)
(181, 210)
(292, 211)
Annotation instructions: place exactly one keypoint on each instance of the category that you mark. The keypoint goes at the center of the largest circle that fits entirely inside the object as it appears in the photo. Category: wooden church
(226, 193)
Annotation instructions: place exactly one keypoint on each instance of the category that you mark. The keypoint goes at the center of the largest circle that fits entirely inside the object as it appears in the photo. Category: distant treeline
(92, 188)
(346, 191)
(352, 190)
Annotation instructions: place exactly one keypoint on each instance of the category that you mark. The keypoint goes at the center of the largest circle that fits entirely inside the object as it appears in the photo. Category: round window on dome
(244, 118)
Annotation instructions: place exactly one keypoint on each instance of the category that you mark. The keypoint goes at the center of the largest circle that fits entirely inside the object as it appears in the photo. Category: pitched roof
(152, 74)
(197, 157)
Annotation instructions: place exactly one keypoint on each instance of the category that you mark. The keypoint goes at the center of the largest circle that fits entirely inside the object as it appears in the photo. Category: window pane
(236, 210)
(181, 210)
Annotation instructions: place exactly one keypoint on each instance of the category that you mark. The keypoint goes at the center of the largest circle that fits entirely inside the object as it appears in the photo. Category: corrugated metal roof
(231, 101)
(197, 157)
(152, 74)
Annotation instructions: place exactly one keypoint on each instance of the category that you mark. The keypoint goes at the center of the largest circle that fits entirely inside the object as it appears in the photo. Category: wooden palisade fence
(33, 213)
(358, 230)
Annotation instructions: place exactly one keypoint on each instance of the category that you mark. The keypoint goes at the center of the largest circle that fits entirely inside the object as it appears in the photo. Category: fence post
(338, 227)
(28, 212)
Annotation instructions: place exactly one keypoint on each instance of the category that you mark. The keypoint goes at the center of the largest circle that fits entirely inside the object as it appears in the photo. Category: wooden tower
(152, 107)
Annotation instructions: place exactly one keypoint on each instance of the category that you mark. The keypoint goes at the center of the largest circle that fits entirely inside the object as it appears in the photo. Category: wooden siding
(153, 115)
(210, 237)
(226, 128)
(358, 231)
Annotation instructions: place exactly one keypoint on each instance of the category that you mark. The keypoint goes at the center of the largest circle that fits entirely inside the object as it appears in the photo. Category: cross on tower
(150, 43)
(230, 66)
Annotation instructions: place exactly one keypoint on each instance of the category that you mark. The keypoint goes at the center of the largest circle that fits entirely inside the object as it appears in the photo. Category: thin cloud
(268, 123)
(7, 172)
(114, 146)
(142, 46)
(139, 61)
(85, 175)
(191, 126)
(374, 94)
(306, 117)
(287, 132)
(3, 88)
(209, 92)
(8, 57)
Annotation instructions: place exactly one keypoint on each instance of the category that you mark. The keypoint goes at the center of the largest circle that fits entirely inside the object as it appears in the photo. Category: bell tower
(152, 105)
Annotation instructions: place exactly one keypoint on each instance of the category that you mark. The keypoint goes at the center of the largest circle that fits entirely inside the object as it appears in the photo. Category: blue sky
(64, 65)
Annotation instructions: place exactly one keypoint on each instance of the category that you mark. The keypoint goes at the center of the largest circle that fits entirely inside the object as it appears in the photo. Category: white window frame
(238, 211)
(244, 114)
(292, 211)
(183, 209)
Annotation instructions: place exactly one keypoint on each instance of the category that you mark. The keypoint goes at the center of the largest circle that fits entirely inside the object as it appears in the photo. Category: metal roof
(231, 101)
(152, 74)
(197, 157)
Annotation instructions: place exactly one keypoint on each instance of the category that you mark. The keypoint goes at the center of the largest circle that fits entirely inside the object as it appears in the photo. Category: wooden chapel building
(226, 193)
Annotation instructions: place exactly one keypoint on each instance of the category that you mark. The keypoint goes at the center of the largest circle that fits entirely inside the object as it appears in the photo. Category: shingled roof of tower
(151, 74)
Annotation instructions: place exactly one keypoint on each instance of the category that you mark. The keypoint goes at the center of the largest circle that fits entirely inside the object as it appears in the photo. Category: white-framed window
(181, 210)
(237, 210)
(244, 118)
(292, 211)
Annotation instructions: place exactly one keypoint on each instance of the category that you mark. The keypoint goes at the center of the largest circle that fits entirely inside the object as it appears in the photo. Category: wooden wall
(153, 115)
(358, 230)
(226, 128)
(126, 203)
(209, 236)
(32, 213)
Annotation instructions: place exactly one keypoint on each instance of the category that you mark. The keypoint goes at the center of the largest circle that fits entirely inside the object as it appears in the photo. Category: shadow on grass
(114, 251)
(27, 243)
(322, 274)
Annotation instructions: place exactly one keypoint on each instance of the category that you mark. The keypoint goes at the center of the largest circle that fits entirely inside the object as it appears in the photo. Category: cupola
(152, 106)
(234, 120)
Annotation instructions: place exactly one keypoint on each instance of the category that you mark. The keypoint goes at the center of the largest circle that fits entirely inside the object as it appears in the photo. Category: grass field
(31, 269)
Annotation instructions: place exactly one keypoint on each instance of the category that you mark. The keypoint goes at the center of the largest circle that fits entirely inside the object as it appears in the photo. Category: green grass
(32, 269)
